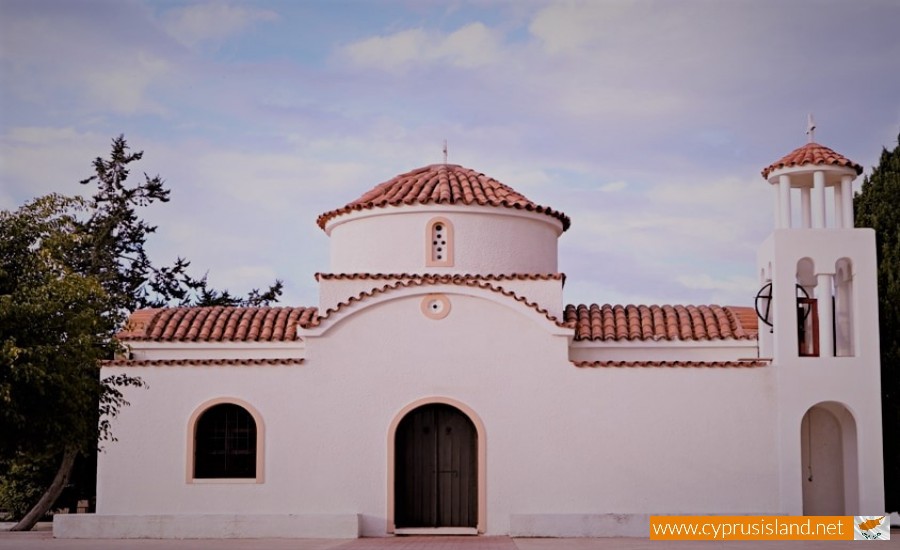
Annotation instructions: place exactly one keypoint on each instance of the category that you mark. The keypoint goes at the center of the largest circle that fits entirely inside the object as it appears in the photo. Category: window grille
(225, 443)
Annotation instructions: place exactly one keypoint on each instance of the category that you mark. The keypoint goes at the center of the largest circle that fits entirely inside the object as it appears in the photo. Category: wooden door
(436, 478)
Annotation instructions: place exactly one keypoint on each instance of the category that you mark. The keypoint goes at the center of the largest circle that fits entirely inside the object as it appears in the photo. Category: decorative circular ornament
(435, 306)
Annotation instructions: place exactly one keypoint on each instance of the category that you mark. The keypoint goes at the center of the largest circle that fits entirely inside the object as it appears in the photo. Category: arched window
(439, 243)
(807, 309)
(843, 308)
(225, 443)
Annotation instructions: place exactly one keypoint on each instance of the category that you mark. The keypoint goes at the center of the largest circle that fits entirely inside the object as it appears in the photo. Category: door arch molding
(481, 454)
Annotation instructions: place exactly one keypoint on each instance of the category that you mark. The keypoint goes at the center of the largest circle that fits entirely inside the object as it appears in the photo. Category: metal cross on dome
(445, 151)
(811, 128)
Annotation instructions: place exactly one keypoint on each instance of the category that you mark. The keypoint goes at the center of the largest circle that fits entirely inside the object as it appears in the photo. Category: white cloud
(470, 46)
(704, 281)
(613, 186)
(39, 135)
(38, 160)
(570, 27)
(212, 22)
(124, 89)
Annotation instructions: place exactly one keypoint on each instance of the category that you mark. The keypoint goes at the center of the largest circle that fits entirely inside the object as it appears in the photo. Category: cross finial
(811, 128)
(445, 151)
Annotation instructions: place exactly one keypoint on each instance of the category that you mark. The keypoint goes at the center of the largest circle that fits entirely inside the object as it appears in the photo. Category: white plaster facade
(562, 450)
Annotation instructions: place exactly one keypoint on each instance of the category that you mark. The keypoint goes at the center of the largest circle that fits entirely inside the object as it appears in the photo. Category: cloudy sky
(647, 122)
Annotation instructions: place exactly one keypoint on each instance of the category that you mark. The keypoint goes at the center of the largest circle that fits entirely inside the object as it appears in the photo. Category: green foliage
(54, 330)
(114, 251)
(878, 206)
(25, 481)
(70, 271)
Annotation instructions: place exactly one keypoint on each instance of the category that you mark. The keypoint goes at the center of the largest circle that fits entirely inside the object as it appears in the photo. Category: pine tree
(71, 270)
(877, 205)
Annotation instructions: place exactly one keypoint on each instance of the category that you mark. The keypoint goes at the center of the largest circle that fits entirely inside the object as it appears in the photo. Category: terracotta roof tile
(694, 364)
(812, 153)
(215, 324)
(264, 324)
(202, 362)
(425, 280)
(391, 276)
(443, 184)
(617, 322)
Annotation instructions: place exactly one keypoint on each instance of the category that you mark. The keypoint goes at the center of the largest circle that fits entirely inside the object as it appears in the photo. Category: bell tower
(818, 307)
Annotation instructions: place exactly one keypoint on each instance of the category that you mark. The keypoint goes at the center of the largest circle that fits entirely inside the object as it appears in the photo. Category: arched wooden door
(436, 469)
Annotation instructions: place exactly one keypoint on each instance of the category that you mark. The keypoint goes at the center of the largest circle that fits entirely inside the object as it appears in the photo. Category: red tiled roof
(202, 362)
(695, 364)
(263, 324)
(388, 276)
(443, 184)
(594, 322)
(812, 153)
(218, 324)
(608, 322)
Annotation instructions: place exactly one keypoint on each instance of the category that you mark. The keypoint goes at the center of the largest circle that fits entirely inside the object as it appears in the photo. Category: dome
(812, 153)
(443, 184)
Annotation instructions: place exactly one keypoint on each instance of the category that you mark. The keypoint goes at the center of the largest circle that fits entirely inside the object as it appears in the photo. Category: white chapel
(443, 385)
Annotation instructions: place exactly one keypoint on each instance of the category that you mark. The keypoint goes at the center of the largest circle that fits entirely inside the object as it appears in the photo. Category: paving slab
(43, 540)
(431, 543)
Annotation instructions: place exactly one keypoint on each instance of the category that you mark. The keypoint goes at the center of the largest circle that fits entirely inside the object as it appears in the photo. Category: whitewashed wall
(852, 382)
(560, 440)
(487, 240)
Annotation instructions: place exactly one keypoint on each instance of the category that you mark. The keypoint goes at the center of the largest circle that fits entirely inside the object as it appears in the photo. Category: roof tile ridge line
(170, 329)
(218, 329)
(698, 327)
(323, 219)
(722, 321)
(530, 206)
(267, 323)
(243, 325)
(441, 280)
(710, 322)
(533, 305)
(489, 276)
(740, 333)
(160, 320)
(443, 189)
(257, 323)
(187, 321)
(279, 324)
(148, 327)
(192, 331)
(455, 185)
(203, 362)
(668, 363)
(306, 317)
(209, 323)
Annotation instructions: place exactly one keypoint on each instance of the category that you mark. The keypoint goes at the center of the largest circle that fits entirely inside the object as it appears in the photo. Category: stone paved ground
(431, 543)
(43, 540)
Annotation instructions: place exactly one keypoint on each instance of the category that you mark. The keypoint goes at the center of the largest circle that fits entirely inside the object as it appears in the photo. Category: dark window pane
(225, 445)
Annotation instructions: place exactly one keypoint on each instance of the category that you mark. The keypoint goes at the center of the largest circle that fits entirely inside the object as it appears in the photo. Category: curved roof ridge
(811, 153)
(631, 322)
(442, 184)
(748, 363)
(486, 277)
(428, 280)
(284, 361)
